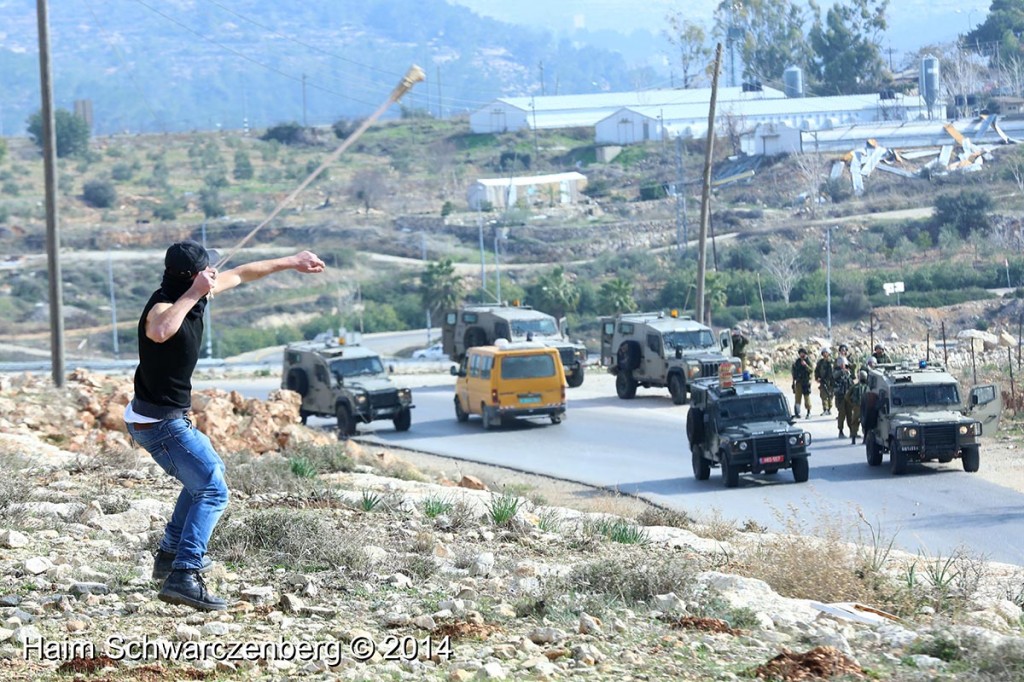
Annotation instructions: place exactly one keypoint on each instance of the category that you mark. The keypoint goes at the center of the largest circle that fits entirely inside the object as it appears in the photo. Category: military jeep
(915, 413)
(655, 349)
(347, 382)
(743, 425)
(482, 325)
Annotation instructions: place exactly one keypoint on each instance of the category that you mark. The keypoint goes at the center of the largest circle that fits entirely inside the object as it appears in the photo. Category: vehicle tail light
(494, 396)
(563, 393)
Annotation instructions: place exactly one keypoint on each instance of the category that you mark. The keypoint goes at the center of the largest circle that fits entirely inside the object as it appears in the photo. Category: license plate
(776, 459)
(529, 398)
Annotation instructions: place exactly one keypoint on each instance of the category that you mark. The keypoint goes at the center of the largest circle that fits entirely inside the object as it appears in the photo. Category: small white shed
(552, 189)
(770, 139)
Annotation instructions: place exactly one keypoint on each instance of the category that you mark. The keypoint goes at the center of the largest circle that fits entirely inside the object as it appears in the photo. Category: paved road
(638, 447)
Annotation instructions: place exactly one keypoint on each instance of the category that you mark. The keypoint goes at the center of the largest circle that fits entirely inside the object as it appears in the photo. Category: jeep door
(607, 336)
(448, 334)
(320, 398)
(985, 404)
(725, 341)
(654, 363)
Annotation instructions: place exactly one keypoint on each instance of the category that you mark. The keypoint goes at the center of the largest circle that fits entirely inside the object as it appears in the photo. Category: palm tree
(440, 287)
(616, 296)
(556, 293)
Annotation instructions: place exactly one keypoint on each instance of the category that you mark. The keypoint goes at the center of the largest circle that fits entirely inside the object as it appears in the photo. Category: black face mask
(174, 287)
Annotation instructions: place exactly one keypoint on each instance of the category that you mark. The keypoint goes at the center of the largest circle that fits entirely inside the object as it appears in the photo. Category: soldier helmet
(878, 347)
(841, 362)
(826, 351)
(802, 351)
(862, 375)
(872, 362)
(842, 347)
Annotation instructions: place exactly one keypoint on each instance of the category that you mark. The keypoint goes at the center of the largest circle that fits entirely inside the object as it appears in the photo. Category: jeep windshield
(926, 395)
(690, 340)
(350, 367)
(535, 327)
(759, 408)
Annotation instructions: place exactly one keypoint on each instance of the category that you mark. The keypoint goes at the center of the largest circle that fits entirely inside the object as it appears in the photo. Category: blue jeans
(187, 454)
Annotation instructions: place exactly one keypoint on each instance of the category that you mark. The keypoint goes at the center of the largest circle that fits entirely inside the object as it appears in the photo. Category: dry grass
(15, 488)
(660, 516)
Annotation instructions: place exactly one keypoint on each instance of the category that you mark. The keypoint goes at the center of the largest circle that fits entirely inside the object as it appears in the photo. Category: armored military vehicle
(482, 325)
(655, 349)
(344, 381)
(743, 425)
(915, 413)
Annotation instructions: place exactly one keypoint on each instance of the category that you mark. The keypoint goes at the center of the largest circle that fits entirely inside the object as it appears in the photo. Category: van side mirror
(453, 370)
(679, 352)
(974, 399)
(391, 369)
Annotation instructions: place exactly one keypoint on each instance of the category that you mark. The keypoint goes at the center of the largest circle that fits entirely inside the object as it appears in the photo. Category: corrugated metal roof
(663, 97)
(770, 107)
(519, 181)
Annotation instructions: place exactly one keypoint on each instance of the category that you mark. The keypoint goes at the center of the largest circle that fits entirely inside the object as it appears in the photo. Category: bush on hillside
(99, 193)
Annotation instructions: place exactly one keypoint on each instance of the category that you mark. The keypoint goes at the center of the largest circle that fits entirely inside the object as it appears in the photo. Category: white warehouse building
(551, 190)
(574, 111)
(630, 125)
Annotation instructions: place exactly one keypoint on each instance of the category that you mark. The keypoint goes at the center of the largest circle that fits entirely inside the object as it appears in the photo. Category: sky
(912, 23)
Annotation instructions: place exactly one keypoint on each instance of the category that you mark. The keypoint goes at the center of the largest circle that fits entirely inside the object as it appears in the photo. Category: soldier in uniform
(844, 352)
(855, 397)
(880, 356)
(739, 347)
(823, 374)
(801, 371)
(842, 381)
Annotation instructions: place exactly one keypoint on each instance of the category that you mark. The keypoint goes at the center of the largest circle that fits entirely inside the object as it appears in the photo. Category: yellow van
(510, 380)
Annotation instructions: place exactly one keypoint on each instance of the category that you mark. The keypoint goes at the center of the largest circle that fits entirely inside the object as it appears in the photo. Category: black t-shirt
(163, 379)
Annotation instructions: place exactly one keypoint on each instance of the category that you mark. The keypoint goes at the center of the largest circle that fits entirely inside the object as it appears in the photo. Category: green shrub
(243, 166)
(99, 193)
(285, 133)
(122, 172)
(966, 211)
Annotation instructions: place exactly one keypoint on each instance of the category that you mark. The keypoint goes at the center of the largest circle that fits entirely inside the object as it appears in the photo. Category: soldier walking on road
(855, 397)
(823, 374)
(851, 367)
(842, 382)
(801, 371)
(739, 347)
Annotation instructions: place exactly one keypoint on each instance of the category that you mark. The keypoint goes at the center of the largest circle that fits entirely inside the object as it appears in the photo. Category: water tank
(930, 80)
(793, 81)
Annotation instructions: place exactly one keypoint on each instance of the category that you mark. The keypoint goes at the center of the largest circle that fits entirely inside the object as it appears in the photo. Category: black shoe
(186, 586)
(841, 434)
(853, 440)
(797, 414)
(162, 565)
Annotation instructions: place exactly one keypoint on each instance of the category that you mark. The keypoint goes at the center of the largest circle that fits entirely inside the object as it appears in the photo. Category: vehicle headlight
(404, 394)
(793, 440)
(361, 398)
(908, 432)
(742, 445)
(965, 429)
(693, 371)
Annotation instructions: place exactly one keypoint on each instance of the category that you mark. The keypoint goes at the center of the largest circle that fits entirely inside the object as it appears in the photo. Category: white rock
(37, 565)
(400, 581)
(291, 603)
(589, 625)
(396, 619)
(5, 634)
(546, 635)
(258, 596)
(214, 629)
(483, 564)
(756, 595)
(669, 602)
(26, 633)
(187, 633)
(923, 662)
(896, 636)
(424, 623)
(12, 539)
(491, 671)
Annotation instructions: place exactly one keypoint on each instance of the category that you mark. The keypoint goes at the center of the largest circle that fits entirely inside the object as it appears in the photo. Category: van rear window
(527, 366)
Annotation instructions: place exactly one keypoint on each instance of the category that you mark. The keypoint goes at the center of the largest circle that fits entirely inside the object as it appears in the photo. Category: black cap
(842, 346)
(802, 351)
(186, 259)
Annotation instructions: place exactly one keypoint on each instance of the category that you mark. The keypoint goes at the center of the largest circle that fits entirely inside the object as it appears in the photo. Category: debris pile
(88, 413)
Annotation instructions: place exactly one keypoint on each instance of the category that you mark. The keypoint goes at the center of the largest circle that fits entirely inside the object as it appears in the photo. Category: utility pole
(113, 302)
(483, 267)
(536, 146)
(497, 265)
(423, 248)
(705, 197)
(50, 178)
(680, 199)
(828, 281)
(541, 65)
(304, 123)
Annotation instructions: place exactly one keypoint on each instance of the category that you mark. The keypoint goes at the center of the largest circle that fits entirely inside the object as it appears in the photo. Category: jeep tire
(629, 356)
(625, 385)
(701, 467)
(801, 470)
(475, 336)
(874, 453)
(403, 420)
(695, 425)
(575, 380)
(297, 380)
(677, 387)
(730, 473)
(970, 457)
(346, 424)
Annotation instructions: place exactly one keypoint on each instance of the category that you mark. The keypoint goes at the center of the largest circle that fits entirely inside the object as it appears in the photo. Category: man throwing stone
(170, 337)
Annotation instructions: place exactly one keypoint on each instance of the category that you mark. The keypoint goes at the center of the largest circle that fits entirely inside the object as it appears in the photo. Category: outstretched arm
(306, 262)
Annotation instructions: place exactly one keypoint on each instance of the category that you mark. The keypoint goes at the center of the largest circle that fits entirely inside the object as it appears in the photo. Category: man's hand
(308, 262)
(205, 282)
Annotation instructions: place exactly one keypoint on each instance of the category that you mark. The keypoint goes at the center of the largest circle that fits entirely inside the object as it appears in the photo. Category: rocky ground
(343, 562)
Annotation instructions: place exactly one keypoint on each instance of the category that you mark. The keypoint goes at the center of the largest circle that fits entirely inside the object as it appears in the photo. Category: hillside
(188, 65)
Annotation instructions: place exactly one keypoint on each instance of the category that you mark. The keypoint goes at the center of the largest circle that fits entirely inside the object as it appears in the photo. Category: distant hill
(183, 64)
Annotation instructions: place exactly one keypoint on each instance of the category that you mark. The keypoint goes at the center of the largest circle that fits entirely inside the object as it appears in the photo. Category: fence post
(974, 364)
(1013, 391)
